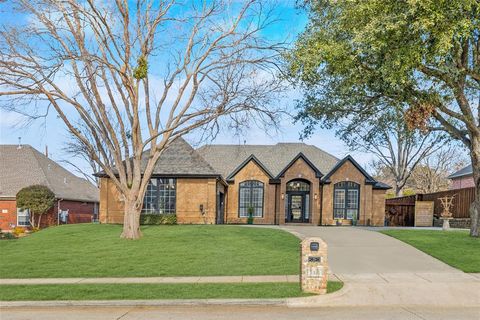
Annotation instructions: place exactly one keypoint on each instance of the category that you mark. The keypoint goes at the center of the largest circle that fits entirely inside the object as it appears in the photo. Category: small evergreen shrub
(157, 219)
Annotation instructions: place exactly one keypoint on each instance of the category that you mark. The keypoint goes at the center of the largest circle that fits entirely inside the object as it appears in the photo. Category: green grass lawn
(155, 291)
(94, 250)
(455, 248)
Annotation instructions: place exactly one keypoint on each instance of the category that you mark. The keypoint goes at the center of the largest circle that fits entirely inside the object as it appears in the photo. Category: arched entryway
(297, 201)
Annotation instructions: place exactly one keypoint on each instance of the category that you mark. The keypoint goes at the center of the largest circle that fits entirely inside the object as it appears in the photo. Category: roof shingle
(25, 166)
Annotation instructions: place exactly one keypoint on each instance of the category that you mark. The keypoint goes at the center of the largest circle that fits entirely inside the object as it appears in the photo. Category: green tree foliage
(361, 59)
(38, 199)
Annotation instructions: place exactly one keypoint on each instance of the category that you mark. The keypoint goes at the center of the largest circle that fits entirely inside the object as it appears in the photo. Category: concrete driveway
(353, 250)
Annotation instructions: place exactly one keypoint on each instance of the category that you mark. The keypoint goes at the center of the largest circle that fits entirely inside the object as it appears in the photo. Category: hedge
(158, 219)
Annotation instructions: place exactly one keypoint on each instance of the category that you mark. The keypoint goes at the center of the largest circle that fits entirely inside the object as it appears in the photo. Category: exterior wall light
(283, 196)
(315, 196)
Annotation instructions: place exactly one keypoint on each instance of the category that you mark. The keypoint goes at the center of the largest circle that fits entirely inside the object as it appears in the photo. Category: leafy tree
(424, 55)
(38, 199)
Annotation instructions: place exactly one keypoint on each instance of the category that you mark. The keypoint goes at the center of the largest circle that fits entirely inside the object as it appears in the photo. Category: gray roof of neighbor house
(179, 159)
(467, 171)
(226, 158)
(23, 166)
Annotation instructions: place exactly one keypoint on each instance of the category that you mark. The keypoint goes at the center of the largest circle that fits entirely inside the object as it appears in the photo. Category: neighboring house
(462, 178)
(282, 183)
(22, 166)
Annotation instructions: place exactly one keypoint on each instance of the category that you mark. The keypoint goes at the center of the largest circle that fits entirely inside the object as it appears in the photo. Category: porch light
(283, 196)
(315, 196)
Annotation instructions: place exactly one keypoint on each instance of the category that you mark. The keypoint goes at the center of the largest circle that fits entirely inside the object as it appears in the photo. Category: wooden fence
(401, 211)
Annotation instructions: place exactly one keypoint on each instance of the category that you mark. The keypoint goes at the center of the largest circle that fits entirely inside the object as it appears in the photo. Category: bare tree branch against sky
(91, 62)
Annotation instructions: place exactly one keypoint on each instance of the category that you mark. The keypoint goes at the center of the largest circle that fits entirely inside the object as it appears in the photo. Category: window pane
(339, 198)
(298, 186)
(352, 199)
(160, 197)
(23, 217)
(307, 206)
(250, 196)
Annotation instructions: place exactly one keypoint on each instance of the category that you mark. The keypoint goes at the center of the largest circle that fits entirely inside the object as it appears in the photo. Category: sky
(51, 131)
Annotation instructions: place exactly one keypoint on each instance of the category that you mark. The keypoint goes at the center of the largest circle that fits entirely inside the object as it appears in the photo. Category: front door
(296, 210)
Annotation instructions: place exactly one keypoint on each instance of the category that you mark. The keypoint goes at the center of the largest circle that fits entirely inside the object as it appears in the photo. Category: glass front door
(297, 208)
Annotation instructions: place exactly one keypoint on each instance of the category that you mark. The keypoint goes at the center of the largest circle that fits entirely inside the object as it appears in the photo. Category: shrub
(156, 219)
(7, 236)
(18, 231)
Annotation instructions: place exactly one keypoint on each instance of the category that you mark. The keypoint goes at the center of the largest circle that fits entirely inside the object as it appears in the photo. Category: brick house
(462, 178)
(282, 183)
(22, 166)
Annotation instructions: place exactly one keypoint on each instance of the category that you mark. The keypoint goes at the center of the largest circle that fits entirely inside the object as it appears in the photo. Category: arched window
(346, 200)
(298, 185)
(250, 196)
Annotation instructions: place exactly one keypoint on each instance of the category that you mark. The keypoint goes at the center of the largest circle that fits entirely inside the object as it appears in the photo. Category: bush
(7, 236)
(18, 231)
(156, 219)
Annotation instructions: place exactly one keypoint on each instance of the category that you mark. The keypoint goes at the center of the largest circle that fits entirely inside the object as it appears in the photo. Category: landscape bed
(455, 247)
(96, 250)
(155, 291)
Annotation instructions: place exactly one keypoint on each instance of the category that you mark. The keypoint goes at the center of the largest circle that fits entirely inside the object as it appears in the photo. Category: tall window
(161, 196)
(250, 196)
(346, 200)
(23, 217)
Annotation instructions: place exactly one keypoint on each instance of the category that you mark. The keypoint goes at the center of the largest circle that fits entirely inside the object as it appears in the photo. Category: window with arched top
(298, 185)
(346, 200)
(250, 199)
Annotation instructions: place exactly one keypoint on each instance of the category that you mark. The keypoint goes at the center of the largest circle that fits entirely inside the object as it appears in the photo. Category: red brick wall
(79, 212)
(8, 214)
(462, 182)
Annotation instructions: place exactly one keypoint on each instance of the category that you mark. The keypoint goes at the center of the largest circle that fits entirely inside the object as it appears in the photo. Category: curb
(144, 303)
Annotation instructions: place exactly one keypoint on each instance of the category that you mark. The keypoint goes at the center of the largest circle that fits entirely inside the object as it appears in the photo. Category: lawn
(94, 250)
(155, 291)
(455, 247)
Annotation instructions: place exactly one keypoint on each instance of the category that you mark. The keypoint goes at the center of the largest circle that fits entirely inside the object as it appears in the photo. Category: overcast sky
(52, 132)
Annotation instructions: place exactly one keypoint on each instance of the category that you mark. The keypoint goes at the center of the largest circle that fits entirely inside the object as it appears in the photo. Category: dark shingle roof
(226, 158)
(24, 166)
(179, 159)
(467, 171)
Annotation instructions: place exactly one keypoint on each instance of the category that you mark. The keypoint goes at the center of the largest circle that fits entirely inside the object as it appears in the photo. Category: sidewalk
(152, 280)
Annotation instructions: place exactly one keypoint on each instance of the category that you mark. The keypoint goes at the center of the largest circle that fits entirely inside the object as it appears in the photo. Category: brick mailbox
(314, 266)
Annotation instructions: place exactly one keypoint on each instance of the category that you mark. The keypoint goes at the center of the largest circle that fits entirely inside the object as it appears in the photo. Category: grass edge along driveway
(156, 291)
(96, 250)
(455, 247)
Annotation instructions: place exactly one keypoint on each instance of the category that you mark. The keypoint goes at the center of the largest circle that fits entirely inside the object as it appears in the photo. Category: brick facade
(191, 194)
(195, 193)
(79, 212)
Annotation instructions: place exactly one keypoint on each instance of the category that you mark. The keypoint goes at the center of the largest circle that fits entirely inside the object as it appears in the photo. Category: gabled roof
(467, 171)
(244, 163)
(179, 159)
(23, 166)
(368, 178)
(225, 159)
(318, 174)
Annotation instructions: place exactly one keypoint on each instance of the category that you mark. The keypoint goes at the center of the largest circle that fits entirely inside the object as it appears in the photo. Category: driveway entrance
(353, 250)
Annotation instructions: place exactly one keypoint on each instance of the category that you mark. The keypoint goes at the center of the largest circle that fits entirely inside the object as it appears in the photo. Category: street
(239, 312)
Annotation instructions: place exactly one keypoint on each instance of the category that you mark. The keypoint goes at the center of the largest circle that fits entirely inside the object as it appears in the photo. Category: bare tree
(137, 75)
(431, 175)
(398, 149)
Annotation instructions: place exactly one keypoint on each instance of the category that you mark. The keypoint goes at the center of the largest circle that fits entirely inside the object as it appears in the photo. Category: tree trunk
(398, 191)
(39, 220)
(131, 220)
(475, 206)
